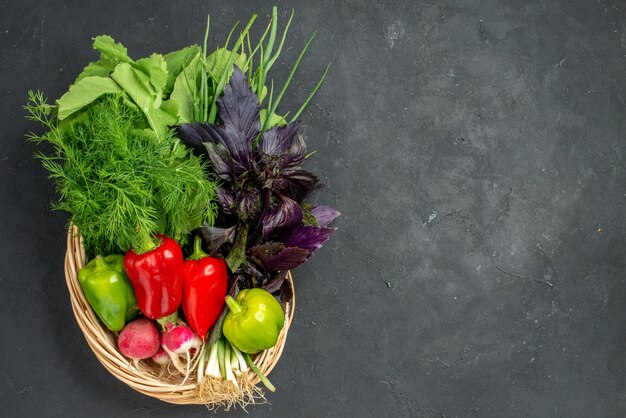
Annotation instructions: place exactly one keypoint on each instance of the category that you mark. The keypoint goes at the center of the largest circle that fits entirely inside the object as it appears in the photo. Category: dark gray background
(475, 149)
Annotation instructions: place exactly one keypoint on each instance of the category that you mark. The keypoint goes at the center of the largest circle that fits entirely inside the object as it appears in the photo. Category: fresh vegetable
(179, 339)
(262, 187)
(157, 277)
(235, 177)
(254, 321)
(266, 382)
(121, 183)
(109, 291)
(225, 363)
(219, 363)
(161, 357)
(144, 82)
(205, 285)
(139, 339)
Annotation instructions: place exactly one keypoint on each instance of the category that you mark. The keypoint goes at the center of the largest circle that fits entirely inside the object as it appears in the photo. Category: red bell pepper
(157, 277)
(204, 289)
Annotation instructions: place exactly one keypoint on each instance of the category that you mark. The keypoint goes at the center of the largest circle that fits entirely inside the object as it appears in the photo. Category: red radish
(179, 339)
(139, 339)
(161, 357)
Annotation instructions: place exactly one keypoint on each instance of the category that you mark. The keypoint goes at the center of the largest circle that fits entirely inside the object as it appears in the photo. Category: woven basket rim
(144, 379)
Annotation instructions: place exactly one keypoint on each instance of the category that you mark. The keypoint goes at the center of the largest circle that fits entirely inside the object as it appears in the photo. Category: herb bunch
(264, 227)
(122, 184)
(262, 189)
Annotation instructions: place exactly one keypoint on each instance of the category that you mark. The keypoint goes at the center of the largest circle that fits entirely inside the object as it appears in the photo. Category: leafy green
(148, 82)
(84, 92)
(217, 63)
(111, 53)
(95, 69)
(275, 120)
(170, 107)
(139, 87)
(121, 184)
(185, 91)
(176, 62)
(155, 68)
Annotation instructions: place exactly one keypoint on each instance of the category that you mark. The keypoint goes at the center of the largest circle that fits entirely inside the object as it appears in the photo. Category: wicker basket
(145, 378)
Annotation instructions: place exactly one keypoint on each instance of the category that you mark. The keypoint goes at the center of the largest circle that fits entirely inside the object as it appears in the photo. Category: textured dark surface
(476, 151)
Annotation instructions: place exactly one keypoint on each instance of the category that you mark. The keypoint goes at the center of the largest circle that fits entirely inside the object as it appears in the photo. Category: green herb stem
(306, 102)
(287, 82)
(266, 382)
(227, 68)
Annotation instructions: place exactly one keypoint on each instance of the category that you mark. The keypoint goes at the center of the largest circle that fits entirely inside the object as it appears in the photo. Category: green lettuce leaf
(95, 69)
(156, 70)
(138, 86)
(216, 63)
(275, 120)
(111, 53)
(176, 62)
(85, 92)
(185, 91)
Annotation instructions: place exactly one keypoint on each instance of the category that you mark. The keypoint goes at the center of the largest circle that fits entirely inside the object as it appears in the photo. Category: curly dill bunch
(118, 180)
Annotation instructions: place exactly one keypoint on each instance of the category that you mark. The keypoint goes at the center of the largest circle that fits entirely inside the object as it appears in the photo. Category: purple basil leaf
(239, 147)
(194, 136)
(237, 253)
(215, 237)
(221, 160)
(324, 214)
(239, 106)
(284, 213)
(266, 250)
(298, 185)
(226, 200)
(274, 285)
(294, 157)
(308, 237)
(278, 140)
(250, 269)
(287, 259)
(286, 292)
(239, 114)
(258, 277)
(248, 204)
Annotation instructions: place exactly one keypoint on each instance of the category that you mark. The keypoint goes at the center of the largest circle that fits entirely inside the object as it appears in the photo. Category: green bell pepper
(254, 321)
(109, 291)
